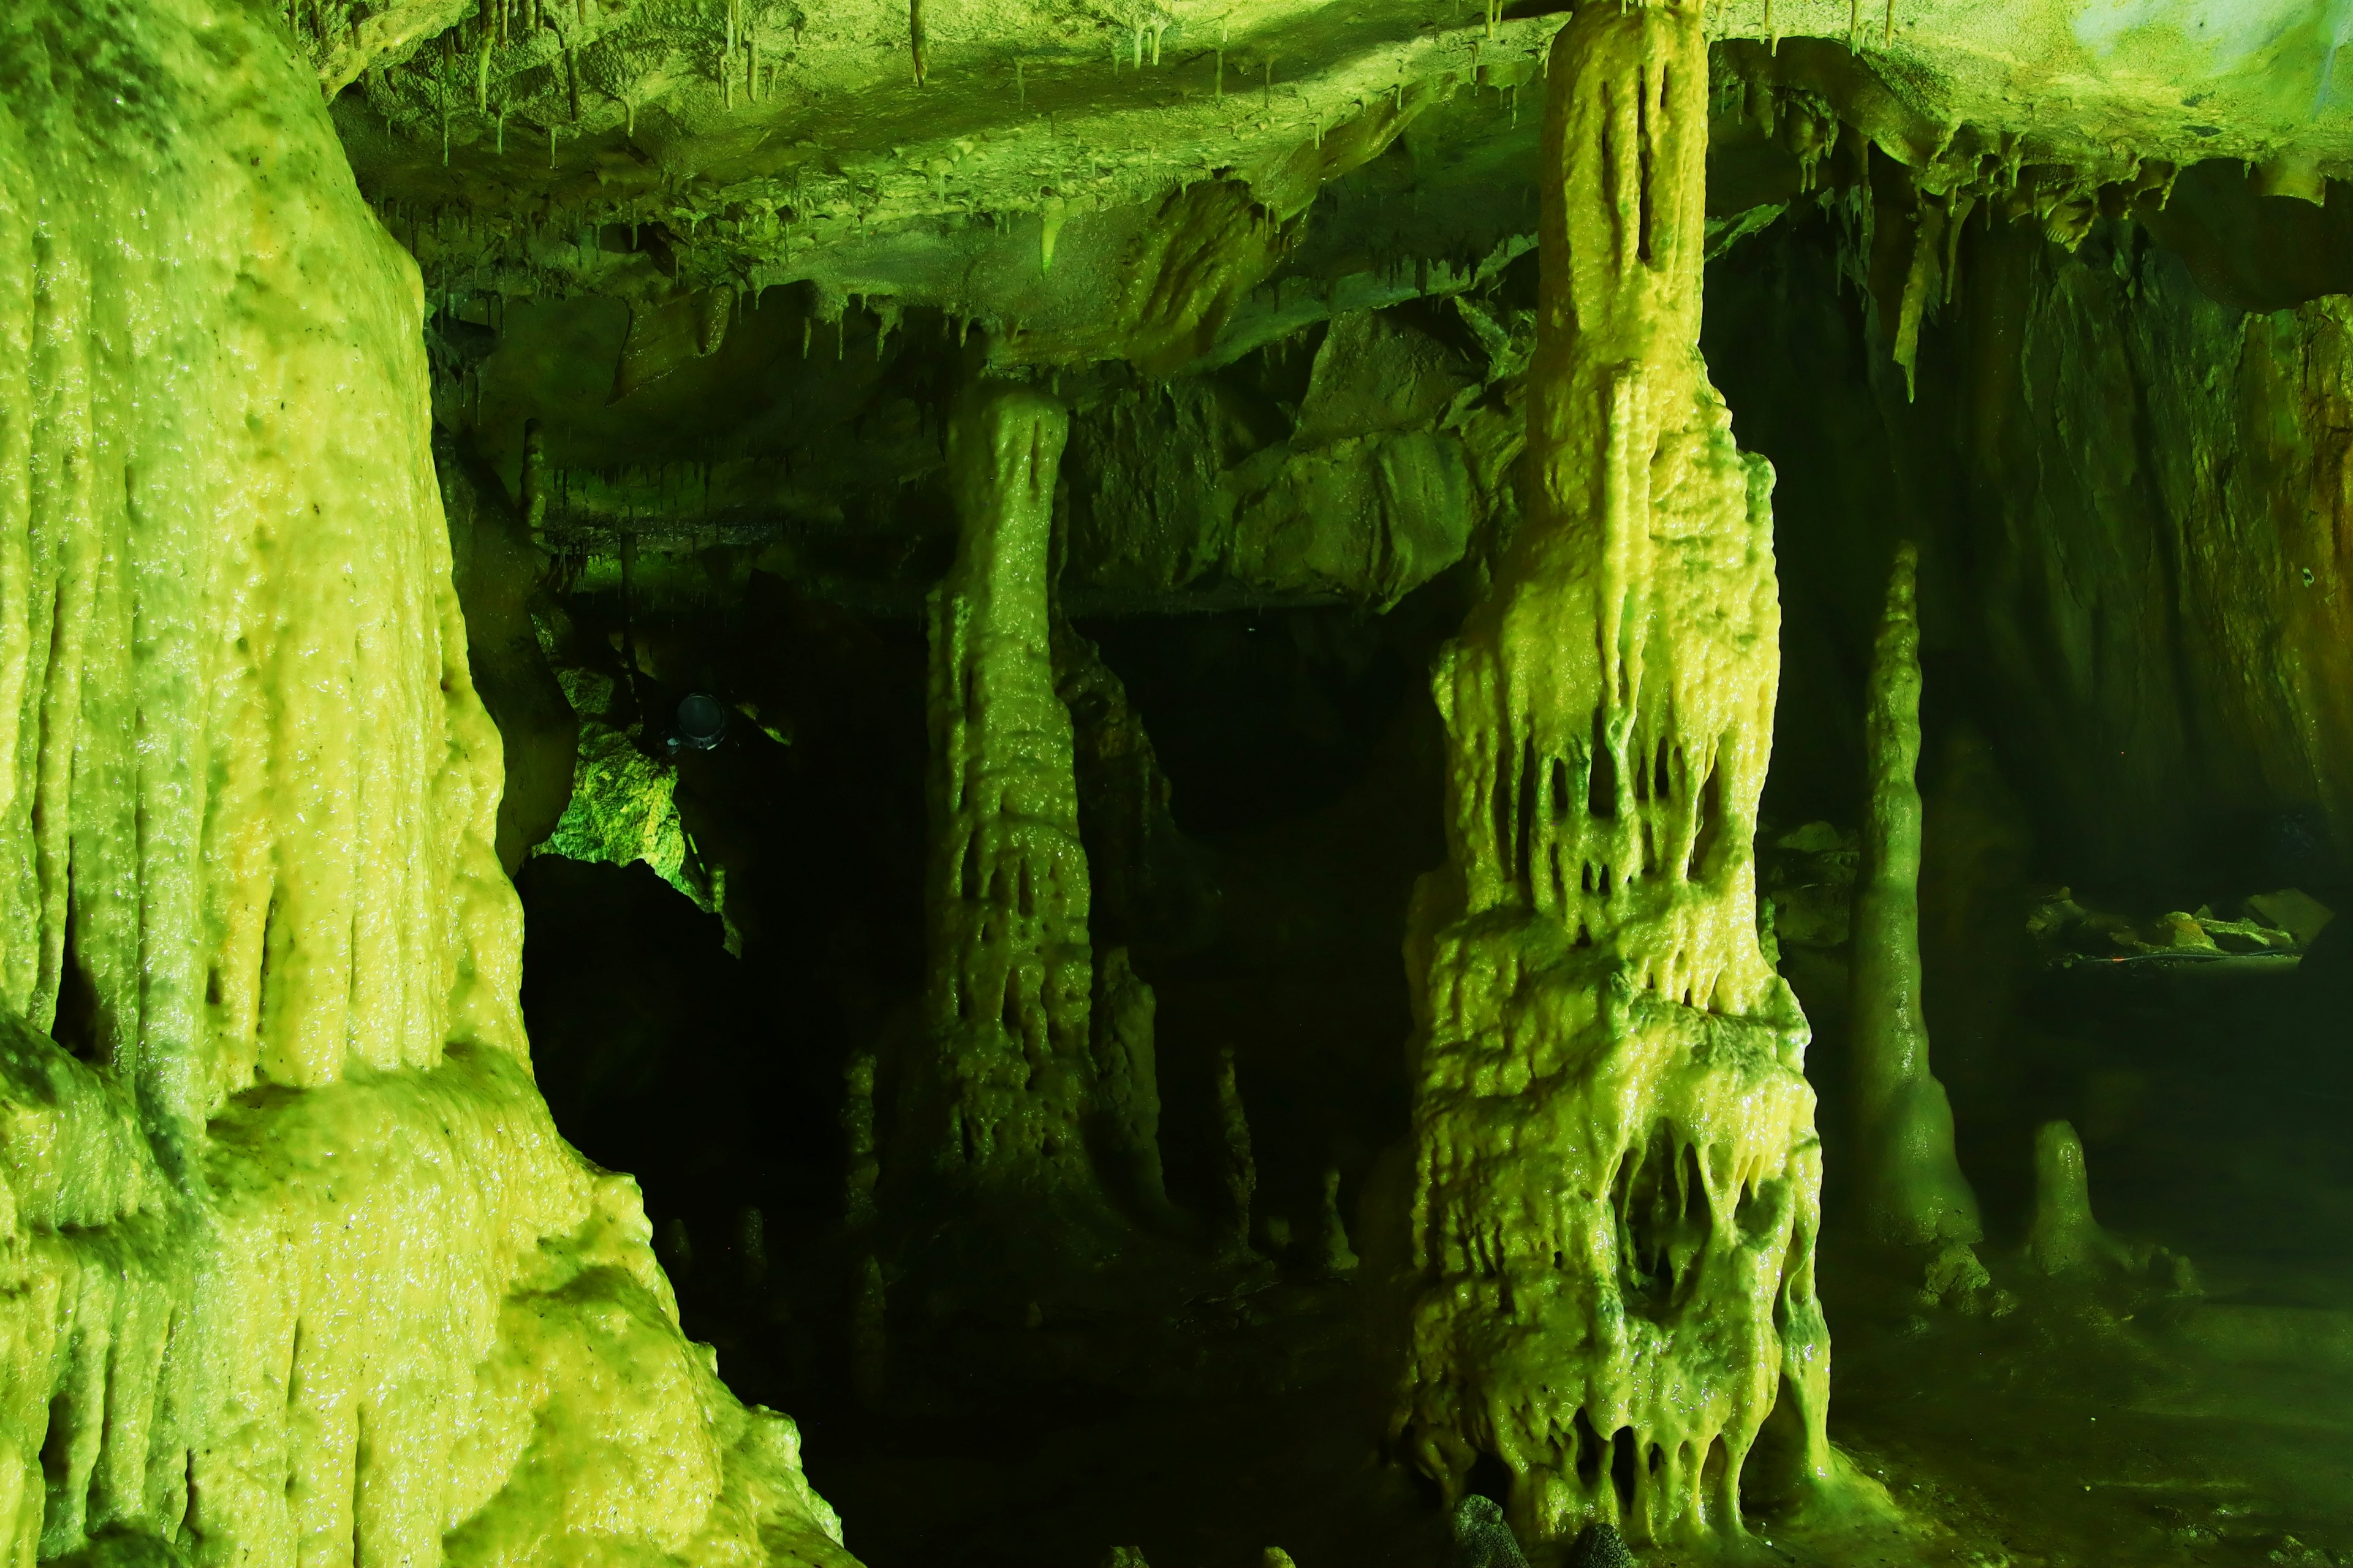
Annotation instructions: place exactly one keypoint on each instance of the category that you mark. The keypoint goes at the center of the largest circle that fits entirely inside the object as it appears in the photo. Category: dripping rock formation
(297, 1268)
(1614, 1188)
(1300, 913)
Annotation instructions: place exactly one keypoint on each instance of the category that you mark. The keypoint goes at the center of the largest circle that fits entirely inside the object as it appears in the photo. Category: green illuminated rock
(1608, 1283)
(294, 1267)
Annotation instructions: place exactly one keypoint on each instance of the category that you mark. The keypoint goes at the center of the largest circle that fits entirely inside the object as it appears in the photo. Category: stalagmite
(1608, 1276)
(1237, 1168)
(1128, 1118)
(1335, 1254)
(2063, 1237)
(294, 1267)
(1916, 1194)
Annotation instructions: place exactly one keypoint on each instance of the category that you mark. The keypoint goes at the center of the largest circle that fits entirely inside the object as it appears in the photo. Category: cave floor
(2095, 1424)
(2079, 1427)
(2079, 1430)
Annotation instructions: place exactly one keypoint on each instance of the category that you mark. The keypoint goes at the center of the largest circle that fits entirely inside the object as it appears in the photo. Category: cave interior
(1047, 577)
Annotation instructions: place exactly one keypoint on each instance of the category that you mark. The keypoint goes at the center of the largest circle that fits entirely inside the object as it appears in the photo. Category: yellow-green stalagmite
(294, 1267)
(1607, 1273)
(1913, 1191)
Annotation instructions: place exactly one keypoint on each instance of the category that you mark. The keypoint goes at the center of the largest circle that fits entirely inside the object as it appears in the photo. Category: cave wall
(2129, 503)
(2164, 548)
(296, 1266)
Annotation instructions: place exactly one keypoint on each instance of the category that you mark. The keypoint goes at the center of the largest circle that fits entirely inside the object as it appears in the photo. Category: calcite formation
(1007, 1099)
(1615, 1194)
(1914, 1193)
(1012, 973)
(2064, 1239)
(294, 1268)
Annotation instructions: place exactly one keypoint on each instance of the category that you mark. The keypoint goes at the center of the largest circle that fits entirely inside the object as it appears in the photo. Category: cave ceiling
(1005, 162)
(676, 252)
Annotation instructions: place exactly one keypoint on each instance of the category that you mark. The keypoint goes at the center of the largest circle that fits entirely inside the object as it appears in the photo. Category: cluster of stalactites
(1630, 832)
(1007, 894)
(1612, 700)
(1613, 711)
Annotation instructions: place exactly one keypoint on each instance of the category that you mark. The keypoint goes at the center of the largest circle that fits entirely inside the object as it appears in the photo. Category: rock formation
(1914, 1193)
(1026, 1090)
(1002, 1092)
(1615, 1191)
(2063, 1237)
(296, 1268)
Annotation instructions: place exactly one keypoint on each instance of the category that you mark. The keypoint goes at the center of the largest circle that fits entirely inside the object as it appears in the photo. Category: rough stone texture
(1027, 137)
(1004, 1088)
(2161, 488)
(297, 1269)
(495, 566)
(2118, 489)
(1608, 1277)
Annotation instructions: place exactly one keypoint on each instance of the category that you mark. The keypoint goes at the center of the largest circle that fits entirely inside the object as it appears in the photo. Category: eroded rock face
(2157, 482)
(2119, 488)
(297, 1268)
(1608, 1279)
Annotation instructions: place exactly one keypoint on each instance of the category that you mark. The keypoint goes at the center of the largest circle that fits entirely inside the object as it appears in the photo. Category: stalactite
(1922, 284)
(1915, 1191)
(1613, 1137)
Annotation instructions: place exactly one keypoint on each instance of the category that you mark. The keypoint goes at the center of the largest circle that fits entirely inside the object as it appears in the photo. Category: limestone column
(1607, 1274)
(1000, 1095)
(1914, 1193)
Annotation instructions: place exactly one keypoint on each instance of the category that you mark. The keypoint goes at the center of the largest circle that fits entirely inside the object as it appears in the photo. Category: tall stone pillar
(294, 1267)
(1914, 1191)
(1608, 1277)
(1003, 1091)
